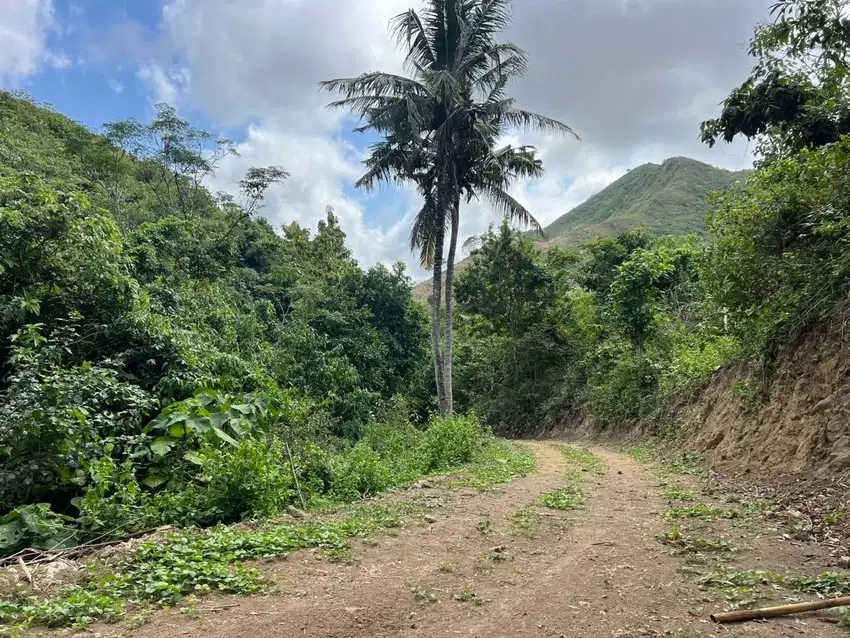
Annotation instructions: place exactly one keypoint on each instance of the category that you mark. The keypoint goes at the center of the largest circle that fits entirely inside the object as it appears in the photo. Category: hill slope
(668, 198)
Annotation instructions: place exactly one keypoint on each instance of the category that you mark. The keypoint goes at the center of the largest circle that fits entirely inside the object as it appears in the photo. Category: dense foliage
(628, 326)
(166, 356)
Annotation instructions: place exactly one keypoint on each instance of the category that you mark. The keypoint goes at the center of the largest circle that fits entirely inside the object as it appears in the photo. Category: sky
(634, 78)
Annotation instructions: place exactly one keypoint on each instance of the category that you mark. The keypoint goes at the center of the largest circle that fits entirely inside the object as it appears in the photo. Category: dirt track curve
(595, 571)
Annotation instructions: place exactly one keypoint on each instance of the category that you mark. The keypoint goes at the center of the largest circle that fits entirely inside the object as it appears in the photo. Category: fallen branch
(781, 610)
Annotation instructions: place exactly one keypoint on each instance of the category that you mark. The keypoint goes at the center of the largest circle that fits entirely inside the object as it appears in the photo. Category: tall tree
(441, 126)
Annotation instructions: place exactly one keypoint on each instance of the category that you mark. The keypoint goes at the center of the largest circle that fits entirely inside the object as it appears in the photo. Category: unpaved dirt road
(481, 569)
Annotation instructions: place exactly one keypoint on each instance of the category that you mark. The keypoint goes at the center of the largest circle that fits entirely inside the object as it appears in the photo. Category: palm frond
(409, 32)
(511, 209)
(520, 118)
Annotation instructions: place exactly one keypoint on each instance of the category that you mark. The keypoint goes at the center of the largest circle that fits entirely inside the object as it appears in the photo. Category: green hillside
(668, 198)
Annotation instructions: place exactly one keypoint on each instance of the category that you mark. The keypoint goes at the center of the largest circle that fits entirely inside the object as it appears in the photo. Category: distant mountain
(663, 199)
(670, 198)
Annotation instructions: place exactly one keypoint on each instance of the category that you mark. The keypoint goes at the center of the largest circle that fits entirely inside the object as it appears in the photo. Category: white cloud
(634, 78)
(24, 29)
(169, 85)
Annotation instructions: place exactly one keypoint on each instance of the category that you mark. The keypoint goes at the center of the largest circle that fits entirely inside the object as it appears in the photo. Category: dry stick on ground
(781, 610)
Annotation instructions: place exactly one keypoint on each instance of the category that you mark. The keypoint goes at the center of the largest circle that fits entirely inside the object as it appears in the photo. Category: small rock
(294, 512)
(429, 519)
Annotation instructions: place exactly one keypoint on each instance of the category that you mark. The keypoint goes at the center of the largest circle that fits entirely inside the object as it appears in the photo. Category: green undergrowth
(676, 494)
(685, 544)
(497, 463)
(566, 498)
(700, 511)
(583, 459)
(827, 584)
(165, 569)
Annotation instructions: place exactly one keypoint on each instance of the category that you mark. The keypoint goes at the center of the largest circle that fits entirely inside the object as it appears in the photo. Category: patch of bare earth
(489, 564)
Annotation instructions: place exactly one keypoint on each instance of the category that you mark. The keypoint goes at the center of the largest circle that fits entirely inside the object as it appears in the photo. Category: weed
(469, 596)
(685, 463)
(674, 494)
(525, 521)
(485, 526)
(828, 584)
(497, 463)
(691, 544)
(566, 498)
(644, 452)
(699, 511)
(425, 594)
(583, 459)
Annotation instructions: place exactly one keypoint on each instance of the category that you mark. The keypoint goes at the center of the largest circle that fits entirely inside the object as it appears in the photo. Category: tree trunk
(450, 273)
(436, 317)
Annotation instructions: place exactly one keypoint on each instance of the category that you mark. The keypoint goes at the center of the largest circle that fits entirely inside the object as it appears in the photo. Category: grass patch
(644, 452)
(566, 498)
(699, 511)
(684, 544)
(674, 494)
(498, 462)
(583, 459)
(686, 463)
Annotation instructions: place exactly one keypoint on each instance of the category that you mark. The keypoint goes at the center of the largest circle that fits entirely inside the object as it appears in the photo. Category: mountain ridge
(670, 198)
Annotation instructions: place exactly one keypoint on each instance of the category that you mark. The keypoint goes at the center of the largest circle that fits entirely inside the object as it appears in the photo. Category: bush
(357, 473)
(450, 442)
(249, 481)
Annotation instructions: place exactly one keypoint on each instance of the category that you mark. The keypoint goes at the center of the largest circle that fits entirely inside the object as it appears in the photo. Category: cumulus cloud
(24, 29)
(633, 77)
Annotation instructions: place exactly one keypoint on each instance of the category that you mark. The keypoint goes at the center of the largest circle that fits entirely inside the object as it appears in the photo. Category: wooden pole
(781, 610)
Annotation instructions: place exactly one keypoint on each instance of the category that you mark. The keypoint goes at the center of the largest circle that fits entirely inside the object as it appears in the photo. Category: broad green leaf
(162, 446)
(225, 437)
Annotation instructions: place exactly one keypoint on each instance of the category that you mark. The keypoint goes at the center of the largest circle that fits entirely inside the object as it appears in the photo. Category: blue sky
(633, 78)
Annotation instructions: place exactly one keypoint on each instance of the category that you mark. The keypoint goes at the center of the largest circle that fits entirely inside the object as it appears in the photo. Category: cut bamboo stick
(781, 610)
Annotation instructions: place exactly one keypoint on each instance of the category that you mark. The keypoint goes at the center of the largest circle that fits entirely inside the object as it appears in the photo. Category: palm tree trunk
(450, 273)
(436, 317)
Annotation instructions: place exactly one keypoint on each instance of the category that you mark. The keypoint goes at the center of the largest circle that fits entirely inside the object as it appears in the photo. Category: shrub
(450, 442)
(358, 472)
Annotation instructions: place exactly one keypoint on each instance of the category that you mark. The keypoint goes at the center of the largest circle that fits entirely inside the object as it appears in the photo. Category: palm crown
(441, 125)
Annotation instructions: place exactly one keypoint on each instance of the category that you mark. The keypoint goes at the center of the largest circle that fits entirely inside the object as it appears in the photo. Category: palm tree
(441, 128)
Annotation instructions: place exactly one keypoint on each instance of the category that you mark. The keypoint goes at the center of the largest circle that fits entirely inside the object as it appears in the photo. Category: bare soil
(496, 564)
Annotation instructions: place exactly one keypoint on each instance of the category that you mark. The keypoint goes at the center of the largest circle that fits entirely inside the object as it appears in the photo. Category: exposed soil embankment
(803, 425)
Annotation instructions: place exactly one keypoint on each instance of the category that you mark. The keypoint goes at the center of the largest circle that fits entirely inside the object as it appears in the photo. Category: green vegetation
(685, 544)
(699, 511)
(496, 463)
(584, 460)
(666, 199)
(629, 327)
(191, 562)
(566, 498)
(827, 584)
(675, 494)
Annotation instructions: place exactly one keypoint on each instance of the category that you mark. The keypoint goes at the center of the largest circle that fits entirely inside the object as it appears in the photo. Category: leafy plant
(567, 498)
(35, 526)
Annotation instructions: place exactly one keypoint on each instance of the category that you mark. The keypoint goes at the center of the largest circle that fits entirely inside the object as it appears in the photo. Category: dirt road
(496, 564)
